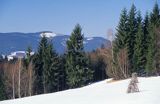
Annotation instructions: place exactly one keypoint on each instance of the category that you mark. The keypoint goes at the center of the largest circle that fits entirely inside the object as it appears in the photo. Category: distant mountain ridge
(16, 41)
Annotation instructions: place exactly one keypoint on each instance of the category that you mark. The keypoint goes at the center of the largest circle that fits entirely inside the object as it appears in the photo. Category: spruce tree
(155, 20)
(52, 69)
(139, 18)
(47, 67)
(2, 88)
(153, 54)
(121, 35)
(139, 46)
(146, 35)
(155, 15)
(132, 29)
(121, 42)
(39, 66)
(150, 64)
(62, 73)
(77, 64)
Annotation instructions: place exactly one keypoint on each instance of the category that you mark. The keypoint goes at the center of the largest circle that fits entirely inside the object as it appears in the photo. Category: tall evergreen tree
(146, 40)
(77, 68)
(52, 69)
(132, 29)
(121, 35)
(155, 15)
(153, 54)
(139, 46)
(39, 66)
(2, 88)
(121, 43)
(146, 34)
(47, 66)
(62, 73)
(139, 18)
(150, 64)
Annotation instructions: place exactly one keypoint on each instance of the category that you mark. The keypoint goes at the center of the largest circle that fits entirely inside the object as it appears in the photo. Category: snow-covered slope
(100, 93)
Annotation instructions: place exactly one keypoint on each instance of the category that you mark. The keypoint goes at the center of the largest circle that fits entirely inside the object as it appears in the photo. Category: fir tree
(2, 88)
(121, 42)
(132, 29)
(155, 21)
(150, 64)
(153, 54)
(139, 18)
(77, 68)
(146, 35)
(121, 35)
(39, 66)
(155, 15)
(139, 46)
(62, 74)
(52, 70)
(47, 67)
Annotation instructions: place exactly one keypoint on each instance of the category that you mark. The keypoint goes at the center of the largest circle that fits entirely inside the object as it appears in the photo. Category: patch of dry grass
(112, 80)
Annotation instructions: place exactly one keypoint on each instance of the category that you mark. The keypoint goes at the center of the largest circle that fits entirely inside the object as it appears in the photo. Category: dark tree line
(47, 71)
(141, 40)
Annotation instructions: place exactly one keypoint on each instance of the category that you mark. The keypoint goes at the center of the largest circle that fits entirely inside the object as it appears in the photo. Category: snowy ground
(100, 93)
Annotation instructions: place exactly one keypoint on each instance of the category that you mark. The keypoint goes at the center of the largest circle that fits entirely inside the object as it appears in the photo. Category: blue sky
(60, 16)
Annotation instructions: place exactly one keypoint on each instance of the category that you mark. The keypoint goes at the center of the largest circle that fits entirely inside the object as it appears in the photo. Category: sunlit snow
(100, 93)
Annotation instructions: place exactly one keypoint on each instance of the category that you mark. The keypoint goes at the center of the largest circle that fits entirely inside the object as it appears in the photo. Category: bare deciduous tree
(31, 78)
(117, 68)
(17, 83)
(123, 64)
(11, 75)
(19, 77)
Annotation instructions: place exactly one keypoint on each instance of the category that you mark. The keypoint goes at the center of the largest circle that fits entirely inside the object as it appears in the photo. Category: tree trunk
(13, 86)
(30, 79)
(19, 79)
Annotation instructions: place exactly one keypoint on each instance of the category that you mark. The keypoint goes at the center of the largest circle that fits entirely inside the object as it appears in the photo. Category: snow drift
(103, 92)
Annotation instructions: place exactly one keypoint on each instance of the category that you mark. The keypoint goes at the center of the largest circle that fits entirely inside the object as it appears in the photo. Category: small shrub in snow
(133, 87)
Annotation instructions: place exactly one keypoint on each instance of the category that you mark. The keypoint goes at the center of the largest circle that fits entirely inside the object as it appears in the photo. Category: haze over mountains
(16, 41)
